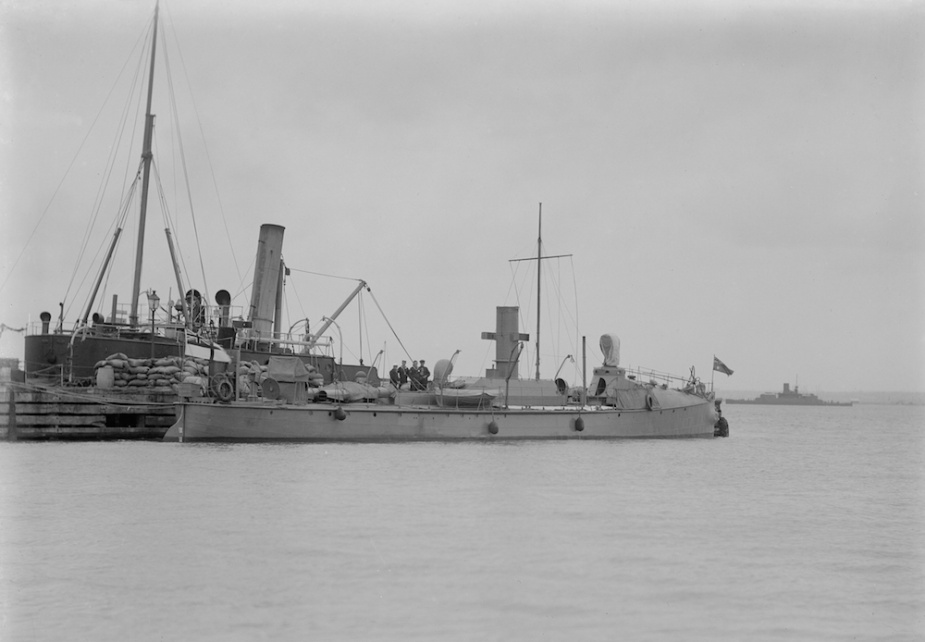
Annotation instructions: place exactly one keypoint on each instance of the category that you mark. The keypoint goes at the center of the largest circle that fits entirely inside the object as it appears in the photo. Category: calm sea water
(806, 524)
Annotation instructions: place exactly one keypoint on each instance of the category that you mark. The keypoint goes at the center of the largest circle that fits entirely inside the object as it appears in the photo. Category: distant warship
(789, 397)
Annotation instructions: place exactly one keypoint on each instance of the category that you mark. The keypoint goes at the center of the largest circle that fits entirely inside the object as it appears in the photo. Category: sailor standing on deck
(414, 374)
(393, 376)
(403, 374)
(423, 375)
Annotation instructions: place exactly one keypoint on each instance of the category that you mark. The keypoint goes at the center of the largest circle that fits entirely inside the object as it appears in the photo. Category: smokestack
(266, 279)
(506, 337)
(223, 299)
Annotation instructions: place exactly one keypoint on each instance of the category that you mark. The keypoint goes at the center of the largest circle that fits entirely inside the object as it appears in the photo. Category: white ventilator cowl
(610, 346)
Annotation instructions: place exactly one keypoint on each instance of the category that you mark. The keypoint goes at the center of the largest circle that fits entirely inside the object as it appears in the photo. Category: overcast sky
(737, 179)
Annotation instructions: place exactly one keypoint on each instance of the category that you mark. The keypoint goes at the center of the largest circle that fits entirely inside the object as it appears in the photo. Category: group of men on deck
(417, 375)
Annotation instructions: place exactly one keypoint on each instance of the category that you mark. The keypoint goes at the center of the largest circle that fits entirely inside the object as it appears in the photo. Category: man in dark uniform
(403, 374)
(393, 376)
(423, 375)
(413, 374)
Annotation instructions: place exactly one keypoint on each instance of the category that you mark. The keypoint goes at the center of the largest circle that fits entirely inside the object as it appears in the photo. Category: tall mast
(146, 159)
(539, 262)
(539, 280)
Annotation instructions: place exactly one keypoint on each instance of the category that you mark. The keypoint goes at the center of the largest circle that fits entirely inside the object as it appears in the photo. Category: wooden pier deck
(30, 411)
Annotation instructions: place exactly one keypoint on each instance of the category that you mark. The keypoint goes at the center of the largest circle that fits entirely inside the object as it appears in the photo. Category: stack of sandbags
(315, 378)
(248, 372)
(165, 372)
(155, 375)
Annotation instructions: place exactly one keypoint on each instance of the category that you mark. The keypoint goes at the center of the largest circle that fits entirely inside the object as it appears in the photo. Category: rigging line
(171, 225)
(120, 219)
(330, 276)
(119, 222)
(389, 323)
(287, 325)
(360, 321)
(556, 316)
(295, 292)
(165, 215)
(513, 286)
(218, 196)
(87, 273)
(105, 287)
(577, 329)
(364, 325)
(563, 313)
(54, 194)
(527, 277)
(107, 173)
(189, 195)
(242, 286)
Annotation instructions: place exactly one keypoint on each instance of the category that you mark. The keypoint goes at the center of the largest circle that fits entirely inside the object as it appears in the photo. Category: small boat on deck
(466, 397)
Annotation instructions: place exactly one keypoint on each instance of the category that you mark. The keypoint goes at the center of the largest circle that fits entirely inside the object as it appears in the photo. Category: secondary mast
(146, 156)
(539, 262)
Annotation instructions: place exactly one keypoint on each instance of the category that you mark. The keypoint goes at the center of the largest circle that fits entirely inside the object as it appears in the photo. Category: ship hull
(51, 354)
(245, 422)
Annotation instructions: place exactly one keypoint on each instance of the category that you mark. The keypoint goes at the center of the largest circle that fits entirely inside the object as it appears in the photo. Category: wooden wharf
(32, 411)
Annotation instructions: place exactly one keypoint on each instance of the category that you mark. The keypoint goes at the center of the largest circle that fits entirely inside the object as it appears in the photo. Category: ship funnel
(266, 279)
(506, 336)
(223, 299)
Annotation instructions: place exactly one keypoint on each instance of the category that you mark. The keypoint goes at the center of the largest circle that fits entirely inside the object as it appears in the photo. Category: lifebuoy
(650, 401)
(223, 389)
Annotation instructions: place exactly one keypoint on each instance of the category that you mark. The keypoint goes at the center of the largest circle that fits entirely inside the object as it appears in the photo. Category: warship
(788, 397)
